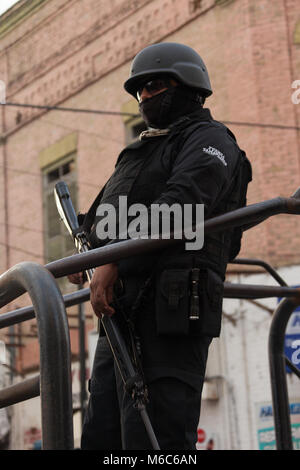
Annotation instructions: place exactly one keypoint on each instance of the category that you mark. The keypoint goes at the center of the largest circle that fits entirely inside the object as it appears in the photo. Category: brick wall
(77, 54)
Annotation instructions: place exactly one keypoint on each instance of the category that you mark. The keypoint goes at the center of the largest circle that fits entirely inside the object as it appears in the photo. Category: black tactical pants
(111, 422)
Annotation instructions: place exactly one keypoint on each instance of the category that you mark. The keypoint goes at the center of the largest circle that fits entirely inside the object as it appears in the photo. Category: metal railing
(16, 281)
(278, 362)
(277, 358)
(55, 359)
(30, 388)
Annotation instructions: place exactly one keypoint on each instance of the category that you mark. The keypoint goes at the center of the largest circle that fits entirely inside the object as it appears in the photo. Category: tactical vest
(135, 162)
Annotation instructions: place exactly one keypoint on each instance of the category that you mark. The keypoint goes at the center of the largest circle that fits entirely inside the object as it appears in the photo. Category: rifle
(131, 378)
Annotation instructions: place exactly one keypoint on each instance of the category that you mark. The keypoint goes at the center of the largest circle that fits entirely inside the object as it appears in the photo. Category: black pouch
(210, 306)
(172, 302)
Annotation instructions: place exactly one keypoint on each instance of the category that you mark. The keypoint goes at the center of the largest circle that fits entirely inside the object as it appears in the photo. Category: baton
(132, 380)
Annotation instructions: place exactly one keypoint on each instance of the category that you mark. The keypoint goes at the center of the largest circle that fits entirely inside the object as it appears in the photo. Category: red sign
(201, 435)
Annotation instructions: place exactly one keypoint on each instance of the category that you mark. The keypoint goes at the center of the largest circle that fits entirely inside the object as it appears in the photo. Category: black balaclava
(166, 107)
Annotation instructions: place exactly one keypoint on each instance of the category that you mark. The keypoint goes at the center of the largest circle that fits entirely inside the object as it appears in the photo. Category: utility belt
(184, 301)
(188, 302)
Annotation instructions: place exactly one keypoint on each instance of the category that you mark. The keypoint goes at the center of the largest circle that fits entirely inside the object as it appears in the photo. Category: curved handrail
(53, 332)
(277, 363)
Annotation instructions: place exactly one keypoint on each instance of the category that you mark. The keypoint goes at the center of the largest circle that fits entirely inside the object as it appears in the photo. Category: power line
(253, 124)
(133, 115)
(72, 110)
(27, 229)
(15, 248)
(32, 173)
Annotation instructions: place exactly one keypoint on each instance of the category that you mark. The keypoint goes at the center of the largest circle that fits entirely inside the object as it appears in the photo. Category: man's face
(154, 87)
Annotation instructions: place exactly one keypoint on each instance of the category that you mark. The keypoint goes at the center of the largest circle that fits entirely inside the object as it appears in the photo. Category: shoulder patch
(212, 151)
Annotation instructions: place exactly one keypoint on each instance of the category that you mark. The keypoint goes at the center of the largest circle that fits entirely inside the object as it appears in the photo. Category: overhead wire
(85, 183)
(21, 250)
(33, 173)
(134, 115)
(27, 229)
(73, 110)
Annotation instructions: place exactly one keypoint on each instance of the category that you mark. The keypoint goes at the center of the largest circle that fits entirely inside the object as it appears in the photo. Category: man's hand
(101, 287)
(77, 278)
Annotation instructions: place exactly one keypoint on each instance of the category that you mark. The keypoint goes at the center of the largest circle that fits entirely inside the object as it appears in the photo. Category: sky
(6, 4)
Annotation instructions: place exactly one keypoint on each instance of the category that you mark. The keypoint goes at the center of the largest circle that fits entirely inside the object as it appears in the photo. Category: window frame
(47, 190)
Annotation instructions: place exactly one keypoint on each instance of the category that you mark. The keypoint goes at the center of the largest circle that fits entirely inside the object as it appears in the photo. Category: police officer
(173, 299)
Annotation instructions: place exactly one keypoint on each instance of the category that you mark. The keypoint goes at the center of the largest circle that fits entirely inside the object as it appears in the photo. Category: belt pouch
(172, 302)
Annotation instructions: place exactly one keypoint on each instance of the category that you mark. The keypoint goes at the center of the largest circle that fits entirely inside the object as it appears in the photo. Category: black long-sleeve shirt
(193, 164)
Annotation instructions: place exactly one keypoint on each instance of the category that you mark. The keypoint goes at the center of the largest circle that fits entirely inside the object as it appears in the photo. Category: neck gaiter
(165, 108)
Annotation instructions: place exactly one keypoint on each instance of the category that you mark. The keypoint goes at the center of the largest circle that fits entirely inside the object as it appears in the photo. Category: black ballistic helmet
(169, 58)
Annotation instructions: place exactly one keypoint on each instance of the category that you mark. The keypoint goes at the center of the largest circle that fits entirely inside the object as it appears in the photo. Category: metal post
(82, 368)
(278, 373)
(55, 355)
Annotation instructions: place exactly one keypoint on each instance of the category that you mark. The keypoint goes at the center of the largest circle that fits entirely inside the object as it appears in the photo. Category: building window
(133, 122)
(58, 242)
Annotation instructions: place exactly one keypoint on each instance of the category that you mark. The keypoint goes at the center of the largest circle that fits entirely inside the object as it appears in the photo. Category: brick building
(76, 55)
